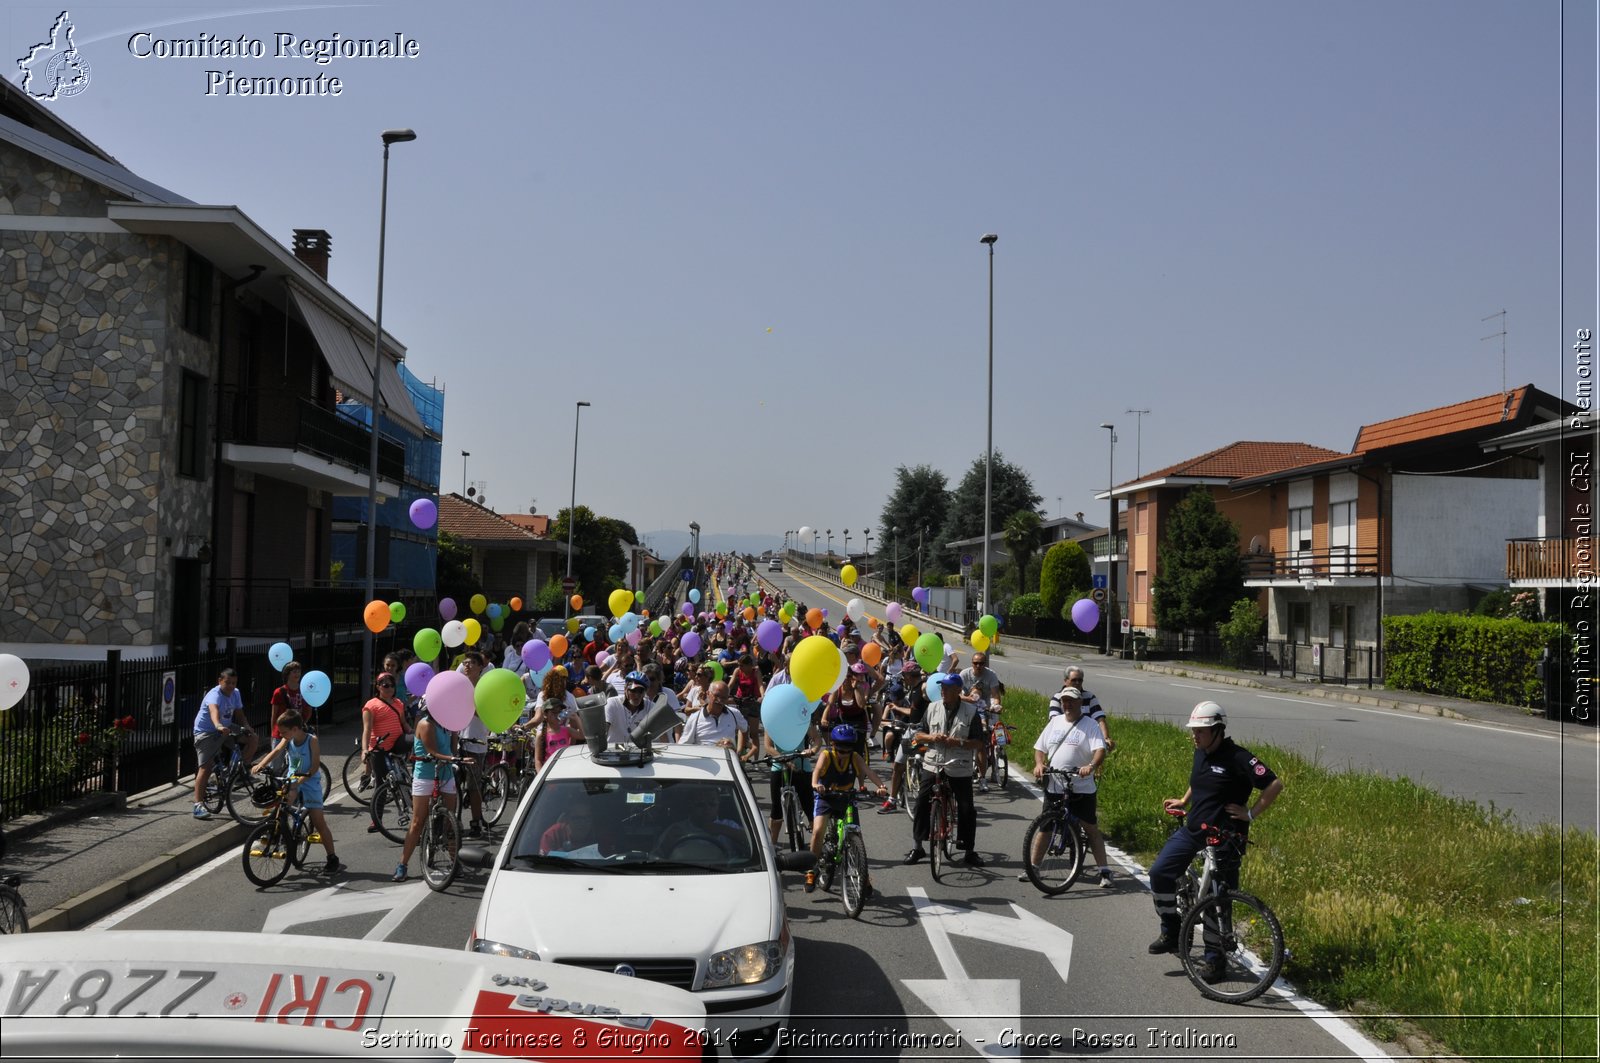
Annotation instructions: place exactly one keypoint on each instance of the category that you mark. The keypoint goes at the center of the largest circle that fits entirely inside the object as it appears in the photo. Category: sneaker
(811, 882)
(1106, 881)
(983, 786)
(1213, 970)
(364, 785)
(200, 811)
(399, 873)
(887, 807)
(476, 830)
(972, 859)
(1024, 877)
(1167, 942)
(333, 866)
(372, 828)
(915, 856)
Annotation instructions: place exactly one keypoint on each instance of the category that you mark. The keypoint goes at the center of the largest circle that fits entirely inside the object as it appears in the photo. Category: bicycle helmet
(1207, 714)
(265, 795)
(637, 679)
(844, 734)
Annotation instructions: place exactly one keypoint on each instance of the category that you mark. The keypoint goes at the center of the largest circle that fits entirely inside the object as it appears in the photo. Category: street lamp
(1138, 441)
(895, 531)
(572, 506)
(988, 461)
(815, 535)
(390, 136)
(1111, 535)
(465, 454)
(866, 533)
(847, 544)
(829, 533)
(694, 571)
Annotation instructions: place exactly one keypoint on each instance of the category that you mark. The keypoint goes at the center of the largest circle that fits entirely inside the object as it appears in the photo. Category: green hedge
(1027, 605)
(1474, 657)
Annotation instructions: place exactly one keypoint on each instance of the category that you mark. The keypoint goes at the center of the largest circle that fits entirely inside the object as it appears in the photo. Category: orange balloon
(814, 618)
(376, 615)
(873, 621)
(516, 605)
(577, 602)
(558, 645)
(872, 653)
(749, 612)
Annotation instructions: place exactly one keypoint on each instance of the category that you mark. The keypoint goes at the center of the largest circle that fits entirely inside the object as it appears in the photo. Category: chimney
(1079, 516)
(312, 247)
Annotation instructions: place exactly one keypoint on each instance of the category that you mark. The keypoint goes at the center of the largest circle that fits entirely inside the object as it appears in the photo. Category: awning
(351, 366)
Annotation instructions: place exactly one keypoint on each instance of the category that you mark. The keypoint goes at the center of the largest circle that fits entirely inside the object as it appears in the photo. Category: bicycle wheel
(1240, 950)
(496, 793)
(356, 778)
(791, 819)
(938, 833)
(242, 807)
(853, 880)
(913, 783)
(266, 853)
(391, 810)
(441, 839)
(13, 913)
(829, 858)
(215, 795)
(327, 779)
(1061, 857)
(1003, 764)
(299, 839)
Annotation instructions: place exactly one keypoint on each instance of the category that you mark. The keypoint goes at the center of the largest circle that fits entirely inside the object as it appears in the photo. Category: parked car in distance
(775, 565)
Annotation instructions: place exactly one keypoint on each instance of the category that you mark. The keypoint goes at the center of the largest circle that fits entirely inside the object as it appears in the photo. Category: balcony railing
(1551, 559)
(275, 604)
(1329, 563)
(266, 418)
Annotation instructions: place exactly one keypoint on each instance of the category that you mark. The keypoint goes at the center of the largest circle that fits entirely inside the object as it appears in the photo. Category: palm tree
(1022, 535)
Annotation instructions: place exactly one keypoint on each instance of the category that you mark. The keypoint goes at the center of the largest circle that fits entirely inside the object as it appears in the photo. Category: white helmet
(1207, 714)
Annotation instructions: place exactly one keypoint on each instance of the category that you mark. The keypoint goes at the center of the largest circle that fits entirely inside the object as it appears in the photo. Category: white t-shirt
(569, 705)
(1068, 747)
(702, 730)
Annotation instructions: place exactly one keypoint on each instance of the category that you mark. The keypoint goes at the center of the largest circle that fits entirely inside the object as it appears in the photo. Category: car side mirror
(475, 856)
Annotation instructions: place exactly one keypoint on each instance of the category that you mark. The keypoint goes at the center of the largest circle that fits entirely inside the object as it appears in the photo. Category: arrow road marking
(338, 902)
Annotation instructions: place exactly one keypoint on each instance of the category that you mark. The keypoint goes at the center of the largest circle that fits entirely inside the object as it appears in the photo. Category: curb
(25, 827)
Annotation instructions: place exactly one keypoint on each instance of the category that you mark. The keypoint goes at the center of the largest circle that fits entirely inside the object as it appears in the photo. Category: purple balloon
(447, 608)
(417, 677)
(691, 645)
(920, 594)
(824, 614)
(688, 609)
(424, 514)
(727, 627)
(1086, 614)
(769, 635)
(535, 654)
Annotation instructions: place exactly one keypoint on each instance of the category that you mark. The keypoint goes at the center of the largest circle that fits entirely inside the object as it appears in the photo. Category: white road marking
(1399, 715)
(1191, 686)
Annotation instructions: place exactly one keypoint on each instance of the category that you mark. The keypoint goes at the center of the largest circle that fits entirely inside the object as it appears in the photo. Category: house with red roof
(509, 558)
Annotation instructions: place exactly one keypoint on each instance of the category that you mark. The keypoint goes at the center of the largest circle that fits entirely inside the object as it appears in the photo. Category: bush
(1242, 630)
(1473, 657)
(550, 601)
(1029, 606)
(1065, 568)
(1074, 596)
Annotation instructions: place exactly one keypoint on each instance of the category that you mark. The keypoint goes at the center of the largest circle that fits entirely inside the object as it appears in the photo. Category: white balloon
(453, 633)
(844, 670)
(804, 532)
(13, 680)
(856, 610)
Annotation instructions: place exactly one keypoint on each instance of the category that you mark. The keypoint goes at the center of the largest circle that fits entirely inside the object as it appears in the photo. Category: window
(192, 426)
(1338, 625)
(1300, 623)
(1142, 519)
(1141, 586)
(1341, 537)
(197, 296)
(1300, 536)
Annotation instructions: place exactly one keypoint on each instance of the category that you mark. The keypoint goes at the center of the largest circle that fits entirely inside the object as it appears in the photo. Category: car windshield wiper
(567, 863)
(685, 865)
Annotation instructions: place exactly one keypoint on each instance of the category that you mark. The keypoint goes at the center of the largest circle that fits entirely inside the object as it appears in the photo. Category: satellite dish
(1257, 547)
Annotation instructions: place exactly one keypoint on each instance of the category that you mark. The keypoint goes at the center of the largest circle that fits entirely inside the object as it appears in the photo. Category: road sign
(169, 696)
(688, 575)
(1127, 625)
(1098, 594)
(1100, 582)
(966, 560)
(569, 585)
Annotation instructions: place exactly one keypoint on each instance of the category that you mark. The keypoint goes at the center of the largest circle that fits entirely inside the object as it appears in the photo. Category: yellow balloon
(814, 666)
(908, 634)
(474, 630)
(479, 603)
(620, 601)
(979, 640)
(572, 624)
(847, 575)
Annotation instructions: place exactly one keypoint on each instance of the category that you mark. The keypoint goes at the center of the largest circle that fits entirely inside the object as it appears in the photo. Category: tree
(919, 501)
(1012, 490)
(1022, 536)
(1201, 573)
(453, 574)
(1066, 572)
(598, 563)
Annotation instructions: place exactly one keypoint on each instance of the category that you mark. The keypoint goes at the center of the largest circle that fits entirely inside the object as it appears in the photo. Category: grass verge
(1396, 901)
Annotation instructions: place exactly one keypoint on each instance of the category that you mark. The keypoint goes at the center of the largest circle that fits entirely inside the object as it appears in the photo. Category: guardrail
(656, 593)
(876, 589)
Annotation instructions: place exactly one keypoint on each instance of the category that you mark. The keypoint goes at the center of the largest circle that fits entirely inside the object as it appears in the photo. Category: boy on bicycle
(305, 761)
(833, 781)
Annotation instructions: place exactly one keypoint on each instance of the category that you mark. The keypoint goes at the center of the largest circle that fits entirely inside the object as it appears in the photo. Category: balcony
(1547, 562)
(286, 436)
(1298, 566)
(274, 606)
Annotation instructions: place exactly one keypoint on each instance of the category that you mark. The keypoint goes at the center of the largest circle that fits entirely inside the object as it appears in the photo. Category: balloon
(499, 698)
(588, 633)
(616, 633)
(315, 688)
(688, 609)
(655, 628)
(474, 630)
(814, 621)
(989, 626)
(279, 655)
(397, 611)
(418, 674)
(576, 601)
(454, 633)
(479, 603)
(979, 640)
(929, 650)
(824, 614)
(694, 595)
(1086, 614)
(14, 679)
(790, 607)
(629, 621)
(691, 645)
(805, 532)
(638, 597)
(872, 622)
(538, 676)
(838, 679)
(908, 634)
(919, 594)
(535, 654)
(450, 700)
(872, 653)
(619, 602)
(558, 646)
(516, 605)
(814, 666)
(716, 670)
(634, 636)
(572, 625)
(602, 659)
(749, 613)
(494, 610)
(847, 575)
(722, 608)
(769, 635)
(427, 644)
(424, 514)
(497, 623)
(447, 608)
(376, 616)
(932, 686)
(786, 714)
(894, 612)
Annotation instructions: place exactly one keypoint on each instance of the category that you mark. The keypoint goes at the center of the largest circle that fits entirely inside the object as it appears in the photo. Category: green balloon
(397, 611)
(791, 608)
(655, 627)
(716, 669)
(988, 625)
(929, 651)
(427, 643)
(499, 697)
(498, 622)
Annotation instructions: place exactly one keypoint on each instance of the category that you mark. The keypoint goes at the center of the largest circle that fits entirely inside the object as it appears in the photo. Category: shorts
(1080, 805)
(207, 744)
(421, 787)
(311, 793)
(829, 802)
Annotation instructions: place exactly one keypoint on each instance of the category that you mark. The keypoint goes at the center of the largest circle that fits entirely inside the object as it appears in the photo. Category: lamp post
(1111, 535)
(694, 572)
(847, 544)
(866, 533)
(988, 460)
(815, 535)
(465, 454)
(572, 506)
(390, 136)
(921, 532)
(829, 533)
(895, 531)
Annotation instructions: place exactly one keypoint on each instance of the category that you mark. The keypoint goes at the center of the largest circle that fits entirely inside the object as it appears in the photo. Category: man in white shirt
(1072, 742)
(627, 711)
(1091, 705)
(718, 724)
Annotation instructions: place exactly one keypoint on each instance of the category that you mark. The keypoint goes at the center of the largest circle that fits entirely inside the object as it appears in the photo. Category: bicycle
(1238, 927)
(1061, 852)
(241, 804)
(390, 804)
(999, 741)
(230, 775)
(796, 824)
(844, 849)
(441, 833)
(13, 909)
(941, 824)
(911, 785)
(282, 838)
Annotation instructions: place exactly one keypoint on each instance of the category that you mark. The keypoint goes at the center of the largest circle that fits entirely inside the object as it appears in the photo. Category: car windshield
(636, 826)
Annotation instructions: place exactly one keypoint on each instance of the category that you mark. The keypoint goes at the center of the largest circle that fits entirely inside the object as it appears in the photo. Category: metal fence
(1348, 665)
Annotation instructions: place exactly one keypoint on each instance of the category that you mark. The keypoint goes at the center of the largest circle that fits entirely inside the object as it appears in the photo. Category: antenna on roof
(1502, 334)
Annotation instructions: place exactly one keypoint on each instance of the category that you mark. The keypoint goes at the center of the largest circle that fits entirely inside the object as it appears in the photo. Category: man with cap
(1221, 779)
(1091, 704)
(983, 685)
(627, 711)
(953, 734)
(1072, 742)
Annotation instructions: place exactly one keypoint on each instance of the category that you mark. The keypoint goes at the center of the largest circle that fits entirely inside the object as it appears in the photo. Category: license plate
(283, 995)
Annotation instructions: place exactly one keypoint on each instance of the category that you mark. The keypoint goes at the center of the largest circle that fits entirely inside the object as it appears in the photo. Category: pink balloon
(602, 659)
(450, 700)
(894, 612)
(447, 608)
(634, 636)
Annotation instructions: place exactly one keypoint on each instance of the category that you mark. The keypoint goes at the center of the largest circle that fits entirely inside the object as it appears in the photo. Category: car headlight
(747, 964)
(500, 948)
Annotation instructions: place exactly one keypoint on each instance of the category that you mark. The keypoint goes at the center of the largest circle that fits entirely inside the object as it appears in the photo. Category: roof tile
(470, 522)
(1501, 407)
(1244, 458)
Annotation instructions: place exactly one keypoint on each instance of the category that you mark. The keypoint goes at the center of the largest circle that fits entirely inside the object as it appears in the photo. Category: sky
(749, 233)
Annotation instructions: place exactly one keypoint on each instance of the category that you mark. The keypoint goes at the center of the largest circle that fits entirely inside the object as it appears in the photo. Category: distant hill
(669, 542)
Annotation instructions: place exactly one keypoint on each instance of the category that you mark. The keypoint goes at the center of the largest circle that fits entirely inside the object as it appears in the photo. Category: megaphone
(660, 720)
(592, 714)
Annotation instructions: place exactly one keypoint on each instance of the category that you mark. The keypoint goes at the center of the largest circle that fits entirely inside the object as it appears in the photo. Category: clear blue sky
(1257, 220)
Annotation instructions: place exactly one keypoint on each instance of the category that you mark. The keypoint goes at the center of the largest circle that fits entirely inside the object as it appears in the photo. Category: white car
(655, 864)
(775, 565)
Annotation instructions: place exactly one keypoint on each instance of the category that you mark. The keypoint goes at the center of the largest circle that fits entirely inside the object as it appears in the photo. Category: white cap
(1207, 714)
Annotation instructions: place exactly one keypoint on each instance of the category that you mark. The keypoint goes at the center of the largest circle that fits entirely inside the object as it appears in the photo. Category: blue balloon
(628, 621)
(280, 654)
(315, 688)
(588, 633)
(933, 687)
(617, 633)
(494, 610)
(694, 596)
(786, 714)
